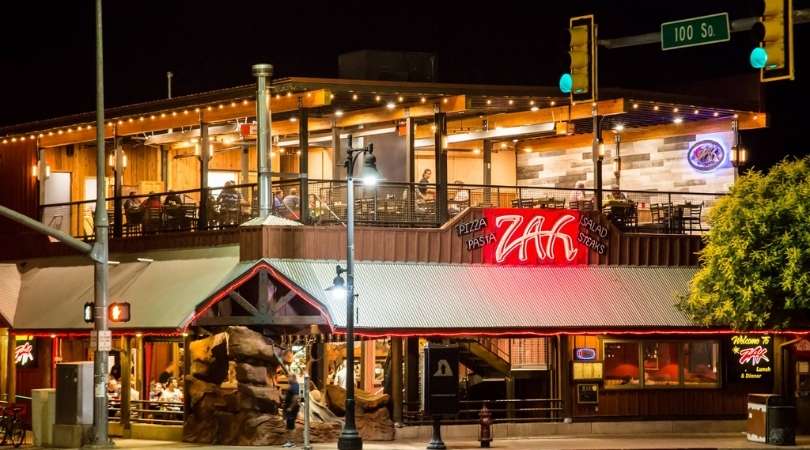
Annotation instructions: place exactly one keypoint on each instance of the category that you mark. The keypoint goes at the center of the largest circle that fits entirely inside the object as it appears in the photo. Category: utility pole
(100, 250)
(169, 76)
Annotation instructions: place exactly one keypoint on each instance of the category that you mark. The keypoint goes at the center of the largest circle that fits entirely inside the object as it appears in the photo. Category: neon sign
(24, 352)
(532, 237)
(585, 354)
(751, 357)
(706, 156)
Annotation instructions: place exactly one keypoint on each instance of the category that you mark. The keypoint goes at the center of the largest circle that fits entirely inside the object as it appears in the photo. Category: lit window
(621, 364)
(661, 364)
(700, 363)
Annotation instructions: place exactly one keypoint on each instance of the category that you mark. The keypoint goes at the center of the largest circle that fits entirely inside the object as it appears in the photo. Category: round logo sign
(706, 155)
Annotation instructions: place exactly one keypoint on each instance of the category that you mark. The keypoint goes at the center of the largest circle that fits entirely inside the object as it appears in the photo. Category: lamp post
(349, 437)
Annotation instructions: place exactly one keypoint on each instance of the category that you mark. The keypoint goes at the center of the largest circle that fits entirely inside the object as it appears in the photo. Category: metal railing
(385, 204)
(148, 411)
(503, 410)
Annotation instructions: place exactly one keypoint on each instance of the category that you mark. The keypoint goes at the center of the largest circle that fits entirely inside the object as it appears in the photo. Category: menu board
(587, 370)
(751, 358)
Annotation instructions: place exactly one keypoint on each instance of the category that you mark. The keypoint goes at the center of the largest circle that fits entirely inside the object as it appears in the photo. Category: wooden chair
(690, 216)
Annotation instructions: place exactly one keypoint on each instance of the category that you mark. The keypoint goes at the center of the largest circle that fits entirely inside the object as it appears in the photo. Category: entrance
(57, 190)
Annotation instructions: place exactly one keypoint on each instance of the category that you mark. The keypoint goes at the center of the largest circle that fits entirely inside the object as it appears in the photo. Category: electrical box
(74, 393)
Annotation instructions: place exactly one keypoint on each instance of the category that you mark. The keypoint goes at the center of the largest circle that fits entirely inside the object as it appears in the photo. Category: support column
(187, 338)
(368, 364)
(118, 176)
(440, 146)
(565, 370)
(11, 370)
(140, 373)
(303, 163)
(510, 395)
(263, 72)
(487, 171)
(126, 401)
(164, 167)
(205, 153)
(411, 375)
(396, 379)
(597, 159)
(4, 373)
(410, 147)
(245, 173)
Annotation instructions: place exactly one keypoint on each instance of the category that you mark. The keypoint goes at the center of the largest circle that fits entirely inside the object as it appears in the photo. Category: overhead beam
(453, 104)
(241, 301)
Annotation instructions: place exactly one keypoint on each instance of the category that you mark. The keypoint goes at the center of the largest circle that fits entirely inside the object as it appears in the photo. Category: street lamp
(349, 437)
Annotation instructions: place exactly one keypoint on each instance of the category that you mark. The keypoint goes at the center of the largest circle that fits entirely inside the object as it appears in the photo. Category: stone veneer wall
(653, 164)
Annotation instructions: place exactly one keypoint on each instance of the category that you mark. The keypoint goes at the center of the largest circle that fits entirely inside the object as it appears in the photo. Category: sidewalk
(662, 441)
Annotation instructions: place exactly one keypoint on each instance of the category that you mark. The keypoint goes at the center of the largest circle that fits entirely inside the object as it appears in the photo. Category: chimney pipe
(262, 72)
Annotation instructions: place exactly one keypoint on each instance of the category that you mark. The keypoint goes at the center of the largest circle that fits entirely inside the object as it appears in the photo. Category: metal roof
(162, 293)
(414, 296)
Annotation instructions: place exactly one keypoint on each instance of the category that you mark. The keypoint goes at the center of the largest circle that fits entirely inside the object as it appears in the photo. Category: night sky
(47, 50)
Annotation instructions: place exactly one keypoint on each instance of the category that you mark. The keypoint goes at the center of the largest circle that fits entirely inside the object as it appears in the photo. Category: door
(57, 190)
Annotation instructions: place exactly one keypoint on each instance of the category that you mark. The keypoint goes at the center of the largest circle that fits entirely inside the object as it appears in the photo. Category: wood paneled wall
(20, 190)
(444, 246)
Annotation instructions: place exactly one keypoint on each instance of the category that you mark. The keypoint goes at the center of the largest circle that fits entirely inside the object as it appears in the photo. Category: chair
(661, 214)
(152, 219)
(690, 216)
(581, 205)
(523, 203)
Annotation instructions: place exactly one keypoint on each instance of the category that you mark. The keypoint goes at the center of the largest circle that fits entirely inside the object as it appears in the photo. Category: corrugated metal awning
(162, 293)
(419, 296)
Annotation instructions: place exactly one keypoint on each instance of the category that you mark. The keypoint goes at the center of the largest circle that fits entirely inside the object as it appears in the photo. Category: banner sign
(751, 358)
(531, 236)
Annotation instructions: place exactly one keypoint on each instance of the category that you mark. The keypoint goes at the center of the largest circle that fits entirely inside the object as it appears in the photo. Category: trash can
(771, 419)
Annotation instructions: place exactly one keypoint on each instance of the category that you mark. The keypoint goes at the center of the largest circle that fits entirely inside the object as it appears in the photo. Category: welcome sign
(751, 358)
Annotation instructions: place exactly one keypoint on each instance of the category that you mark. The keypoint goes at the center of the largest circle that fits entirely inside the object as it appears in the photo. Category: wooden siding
(442, 245)
(20, 190)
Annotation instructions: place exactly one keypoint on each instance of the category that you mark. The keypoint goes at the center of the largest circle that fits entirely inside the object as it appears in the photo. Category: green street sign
(695, 31)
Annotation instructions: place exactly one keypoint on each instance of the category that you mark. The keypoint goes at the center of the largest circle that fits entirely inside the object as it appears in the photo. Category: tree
(755, 269)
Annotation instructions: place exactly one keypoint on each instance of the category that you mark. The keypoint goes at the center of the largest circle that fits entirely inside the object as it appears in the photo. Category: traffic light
(580, 82)
(774, 32)
(87, 313)
(118, 312)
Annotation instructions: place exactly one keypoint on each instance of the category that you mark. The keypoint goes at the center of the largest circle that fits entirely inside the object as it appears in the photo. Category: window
(700, 363)
(655, 364)
(621, 364)
(661, 364)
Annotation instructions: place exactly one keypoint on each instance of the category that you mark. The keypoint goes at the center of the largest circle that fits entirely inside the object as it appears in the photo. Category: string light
(22, 138)
(5, 141)
(476, 151)
(552, 103)
(635, 105)
(656, 108)
(489, 102)
(162, 115)
(210, 108)
(400, 99)
(50, 133)
(376, 98)
(390, 105)
(233, 104)
(244, 102)
(174, 113)
(140, 119)
(675, 110)
(41, 135)
(354, 96)
(32, 137)
(534, 109)
(59, 132)
(130, 121)
(338, 113)
(422, 99)
(511, 102)
(221, 106)
(531, 102)
(677, 121)
(697, 111)
(70, 130)
(715, 114)
(14, 139)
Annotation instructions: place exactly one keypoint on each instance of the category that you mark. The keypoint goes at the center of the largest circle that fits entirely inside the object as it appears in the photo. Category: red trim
(523, 332)
(235, 284)
(86, 333)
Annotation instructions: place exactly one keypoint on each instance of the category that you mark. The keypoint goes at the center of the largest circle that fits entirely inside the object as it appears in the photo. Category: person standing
(291, 405)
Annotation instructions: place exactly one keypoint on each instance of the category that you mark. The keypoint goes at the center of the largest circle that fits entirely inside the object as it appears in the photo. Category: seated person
(461, 200)
(152, 201)
(422, 191)
(229, 201)
(580, 197)
(617, 195)
(131, 204)
(291, 203)
(172, 393)
(172, 199)
(278, 204)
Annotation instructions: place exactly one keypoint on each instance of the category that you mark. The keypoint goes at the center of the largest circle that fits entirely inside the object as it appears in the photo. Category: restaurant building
(485, 233)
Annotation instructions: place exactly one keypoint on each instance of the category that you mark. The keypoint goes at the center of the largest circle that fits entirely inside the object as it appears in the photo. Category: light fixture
(338, 113)
(338, 288)
(503, 145)
(221, 106)
(527, 149)
(152, 117)
(618, 127)
(289, 94)
(163, 115)
(601, 150)
(390, 105)
(376, 98)
(209, 108)
(715, 114)
(697, 111)
(489, 101)
(675, 109)
(656, 108)
(756, 116)
(400, 99)
(34, 170)
(531, 102)
(514, 141)
(140, 119)
(370, 173)
(244, 103)
(552, 103)
(233, 104)
(196, 110)
(41, 135)
(50, 133)
(331, 96)
(293, 119)
(635, 105)
(354, 96)
(534, 109)
(677, 120)
(130, 120)
(422, 99)
(476, 151)
(444, 100)
(58, 132)
(511, 102)
(736, 116)
(298, 152)
(70, 130)
(22, 138)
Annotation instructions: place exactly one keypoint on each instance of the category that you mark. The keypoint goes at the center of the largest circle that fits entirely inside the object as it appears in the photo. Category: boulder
(209, 358)
(375, 425)
(264, 429)
(248, 373)
(199, 430)
(245, 344)
(197, 388)
(262, 398)
(364, 401)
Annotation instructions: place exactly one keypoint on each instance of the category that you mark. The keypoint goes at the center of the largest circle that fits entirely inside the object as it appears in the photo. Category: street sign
(696, 31)
(440, 380)
(102, 339)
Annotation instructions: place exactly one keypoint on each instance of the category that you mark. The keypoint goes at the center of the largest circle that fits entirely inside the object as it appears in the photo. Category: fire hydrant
(485, 432)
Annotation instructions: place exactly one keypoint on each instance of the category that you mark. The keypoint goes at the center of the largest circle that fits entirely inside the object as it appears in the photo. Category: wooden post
(126, 401)
(412, 375)
(396, 379)
(203, 218)
(323, 366)
(46, 354)
(440, 143)
(367, 365)
(510, 395)
(186, 375)
(11, 368)
(143, 385)
(4, 343)
(487, 171)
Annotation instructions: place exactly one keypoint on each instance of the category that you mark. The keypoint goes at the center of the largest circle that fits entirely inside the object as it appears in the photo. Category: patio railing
(385, 204)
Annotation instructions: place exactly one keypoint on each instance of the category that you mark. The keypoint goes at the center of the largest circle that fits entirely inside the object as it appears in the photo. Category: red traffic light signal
(118, 312)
